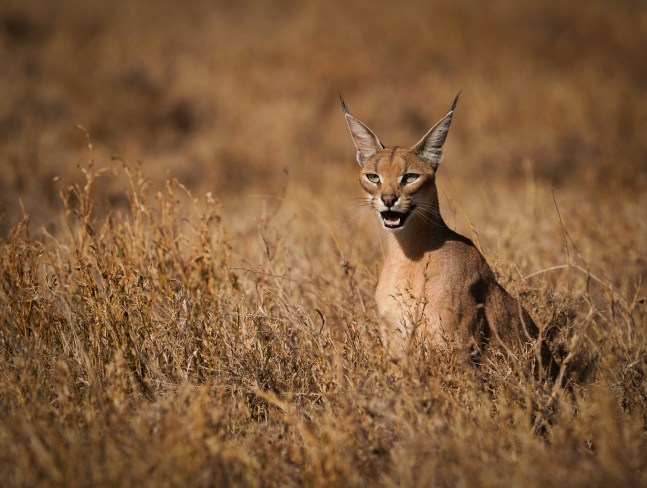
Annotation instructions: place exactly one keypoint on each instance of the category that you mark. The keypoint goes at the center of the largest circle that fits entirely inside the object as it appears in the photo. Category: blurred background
(241, 98)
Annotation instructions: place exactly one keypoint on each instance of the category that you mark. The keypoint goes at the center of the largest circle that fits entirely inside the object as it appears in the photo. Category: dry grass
(206, 317)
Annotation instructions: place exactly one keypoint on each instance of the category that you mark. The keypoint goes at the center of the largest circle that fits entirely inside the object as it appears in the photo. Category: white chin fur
(394, 230)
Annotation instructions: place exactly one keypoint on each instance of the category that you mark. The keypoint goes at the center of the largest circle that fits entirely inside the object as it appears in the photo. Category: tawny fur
(434, 281)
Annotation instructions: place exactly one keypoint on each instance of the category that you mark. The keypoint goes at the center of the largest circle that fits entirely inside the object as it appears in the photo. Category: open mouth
(394, 220)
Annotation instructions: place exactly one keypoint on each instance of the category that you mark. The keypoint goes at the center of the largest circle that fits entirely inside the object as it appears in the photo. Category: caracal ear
(365, 140)
(430, 147)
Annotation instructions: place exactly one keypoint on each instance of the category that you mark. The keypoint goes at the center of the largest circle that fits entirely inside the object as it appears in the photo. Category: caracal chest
(409, 294)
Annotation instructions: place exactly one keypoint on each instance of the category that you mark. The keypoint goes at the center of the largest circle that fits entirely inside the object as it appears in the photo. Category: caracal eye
(373, 178)
(409, 178)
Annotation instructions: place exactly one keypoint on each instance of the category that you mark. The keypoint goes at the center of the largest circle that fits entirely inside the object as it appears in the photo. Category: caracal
(434, 281)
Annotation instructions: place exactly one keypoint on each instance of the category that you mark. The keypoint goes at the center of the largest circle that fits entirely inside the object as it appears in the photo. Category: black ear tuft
(344, 107)
(453, 103)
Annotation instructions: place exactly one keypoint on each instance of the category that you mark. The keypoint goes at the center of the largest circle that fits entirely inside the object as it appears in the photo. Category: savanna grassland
(187, 271)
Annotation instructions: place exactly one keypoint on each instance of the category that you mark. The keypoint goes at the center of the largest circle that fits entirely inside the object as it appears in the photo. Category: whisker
(428, 219)
(360, 210)
(361, 213)
(357, 206)
(428, 209)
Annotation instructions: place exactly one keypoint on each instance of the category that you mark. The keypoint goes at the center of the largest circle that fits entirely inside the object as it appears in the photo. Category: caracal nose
(389, 200)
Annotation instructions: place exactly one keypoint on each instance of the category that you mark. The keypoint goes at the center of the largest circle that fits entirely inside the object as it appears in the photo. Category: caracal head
(400, 182)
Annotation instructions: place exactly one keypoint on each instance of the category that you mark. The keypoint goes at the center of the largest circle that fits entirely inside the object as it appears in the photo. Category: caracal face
(399, 186)
(399, 182)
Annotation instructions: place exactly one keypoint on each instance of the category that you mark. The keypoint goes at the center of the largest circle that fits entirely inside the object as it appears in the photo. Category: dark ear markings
(430, 147)
(365, 140)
